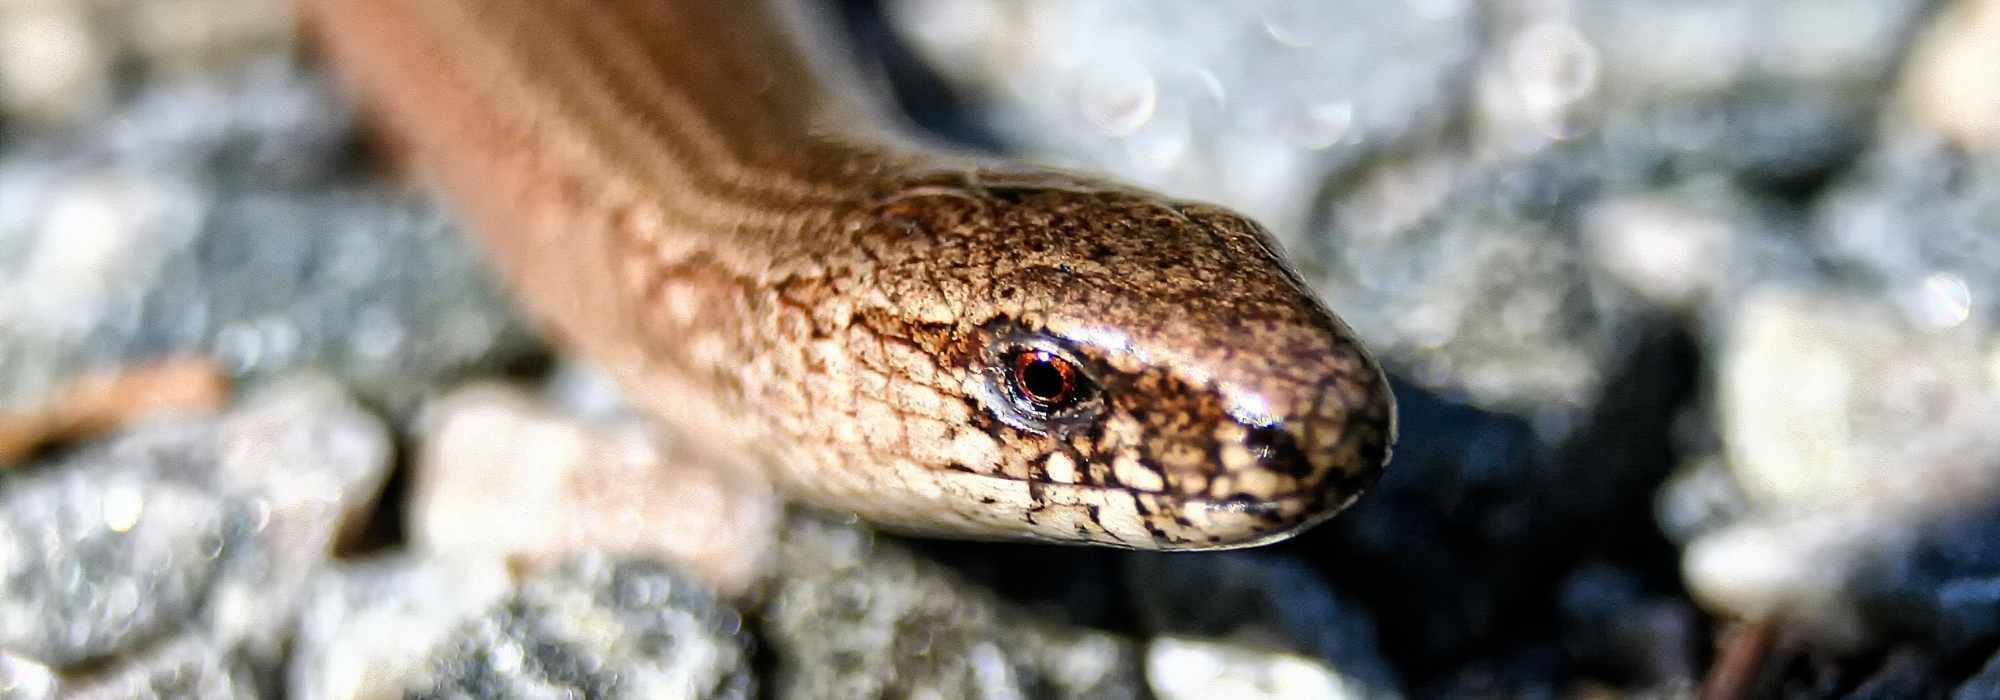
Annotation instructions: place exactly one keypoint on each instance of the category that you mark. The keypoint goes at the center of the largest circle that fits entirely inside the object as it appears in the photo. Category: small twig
(102, 402)
(1740, 661)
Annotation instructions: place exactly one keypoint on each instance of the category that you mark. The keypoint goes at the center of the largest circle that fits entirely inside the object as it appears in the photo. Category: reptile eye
(1045, 379)
(1034, 384)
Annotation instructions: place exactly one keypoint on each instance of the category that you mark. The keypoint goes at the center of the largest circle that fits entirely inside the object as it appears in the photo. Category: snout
(1284, 472)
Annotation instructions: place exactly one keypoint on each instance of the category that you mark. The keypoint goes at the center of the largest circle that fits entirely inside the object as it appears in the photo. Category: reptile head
(1134, 372)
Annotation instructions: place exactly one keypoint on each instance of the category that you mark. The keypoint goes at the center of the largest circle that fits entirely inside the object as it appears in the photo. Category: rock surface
(503, 475)
(184, 543)
(596, 628)
(852, 617)
(231, 219)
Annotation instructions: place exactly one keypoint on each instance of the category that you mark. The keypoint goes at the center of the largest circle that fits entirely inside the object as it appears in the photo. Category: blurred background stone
(596, 628)
(1259, 600)
(1246, 103)
(849, 616)
(1179, 669)
(367, 628)
(507, 475)
(185, 536)
(233, 219)
(1949, 85)
(64, 61)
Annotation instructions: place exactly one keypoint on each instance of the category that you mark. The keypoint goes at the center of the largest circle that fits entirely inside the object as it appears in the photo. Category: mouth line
(1236, 503)
(1166, 521)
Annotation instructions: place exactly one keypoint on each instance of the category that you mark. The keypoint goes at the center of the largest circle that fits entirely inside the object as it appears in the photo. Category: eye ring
(1035, 384)
(1044, 379)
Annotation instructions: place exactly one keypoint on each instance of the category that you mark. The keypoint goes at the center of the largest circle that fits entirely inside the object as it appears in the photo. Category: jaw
(976, 506)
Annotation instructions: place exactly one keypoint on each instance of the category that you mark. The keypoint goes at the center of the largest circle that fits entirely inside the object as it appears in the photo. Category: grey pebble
(596, 628)
(231, 218)
(184, 668)
(367, 628)
(192, 532)
(852, 617)
(1260, 600)
(1983, 685)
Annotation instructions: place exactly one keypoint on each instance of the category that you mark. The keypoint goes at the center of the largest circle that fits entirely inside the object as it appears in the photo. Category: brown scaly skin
(1232, 408)
(845, 313)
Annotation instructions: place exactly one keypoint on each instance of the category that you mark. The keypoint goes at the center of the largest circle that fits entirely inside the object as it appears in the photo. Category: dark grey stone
(852, 617)
(207, 527)
(598, 628)
(233, 219)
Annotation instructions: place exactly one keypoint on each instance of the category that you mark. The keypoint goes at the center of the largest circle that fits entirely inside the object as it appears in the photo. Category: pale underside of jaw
(995, 507)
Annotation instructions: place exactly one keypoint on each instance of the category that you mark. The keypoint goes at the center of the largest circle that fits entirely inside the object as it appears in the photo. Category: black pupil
(1043, 380)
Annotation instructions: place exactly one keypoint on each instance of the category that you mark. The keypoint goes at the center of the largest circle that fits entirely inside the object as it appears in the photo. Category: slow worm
(939, 344)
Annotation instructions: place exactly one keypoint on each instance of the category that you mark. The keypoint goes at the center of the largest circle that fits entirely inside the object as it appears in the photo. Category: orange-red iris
(1044, 378)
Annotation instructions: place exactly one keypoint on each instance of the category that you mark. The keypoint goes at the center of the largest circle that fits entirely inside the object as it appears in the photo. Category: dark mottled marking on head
(1277, 448)
(1144, 504)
